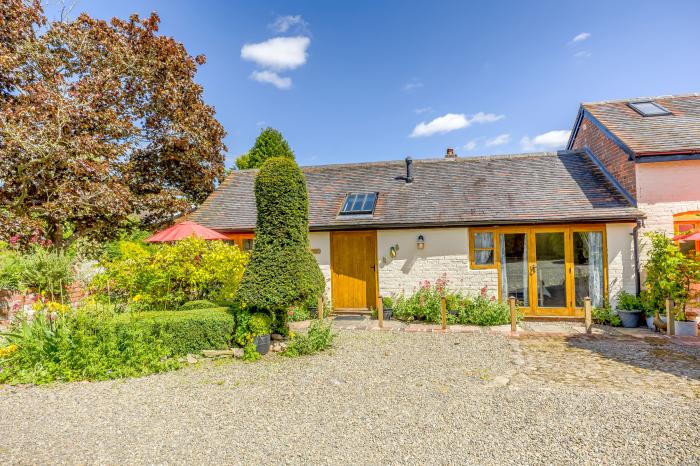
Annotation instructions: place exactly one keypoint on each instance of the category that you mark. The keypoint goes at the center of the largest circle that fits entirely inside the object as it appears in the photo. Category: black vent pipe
(409, 169)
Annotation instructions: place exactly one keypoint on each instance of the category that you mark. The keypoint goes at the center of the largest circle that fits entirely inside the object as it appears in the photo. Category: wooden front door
(354, 270)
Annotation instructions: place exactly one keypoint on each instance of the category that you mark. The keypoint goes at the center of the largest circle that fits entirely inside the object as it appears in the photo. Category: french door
(550, 270)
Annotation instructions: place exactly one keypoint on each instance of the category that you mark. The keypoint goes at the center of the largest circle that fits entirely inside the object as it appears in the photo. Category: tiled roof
(678, 133)
(527, 188)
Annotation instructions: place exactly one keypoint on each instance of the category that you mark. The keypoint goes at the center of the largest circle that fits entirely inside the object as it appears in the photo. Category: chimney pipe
(450, 153)
(409, 169)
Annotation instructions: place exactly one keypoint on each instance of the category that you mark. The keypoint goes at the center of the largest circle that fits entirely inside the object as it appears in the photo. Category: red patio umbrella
(687, 237)
(184, 230)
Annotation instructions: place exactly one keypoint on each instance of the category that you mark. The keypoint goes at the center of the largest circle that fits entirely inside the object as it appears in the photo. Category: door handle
(373, 267)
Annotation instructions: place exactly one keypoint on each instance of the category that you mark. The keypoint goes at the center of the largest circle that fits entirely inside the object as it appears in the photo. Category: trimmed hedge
(185, 331)
(282, 271)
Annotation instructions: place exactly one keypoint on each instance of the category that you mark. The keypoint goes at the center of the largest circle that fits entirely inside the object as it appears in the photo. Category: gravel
(376, 398)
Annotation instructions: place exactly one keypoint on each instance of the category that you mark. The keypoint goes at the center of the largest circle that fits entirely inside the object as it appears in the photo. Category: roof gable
(674, 133)
(527, 188)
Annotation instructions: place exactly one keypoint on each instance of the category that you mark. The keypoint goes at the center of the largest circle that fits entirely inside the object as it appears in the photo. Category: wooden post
(320, 308)
(513, 316)
(588, 311)
(670, 327)
(380, 312)
(443, 313)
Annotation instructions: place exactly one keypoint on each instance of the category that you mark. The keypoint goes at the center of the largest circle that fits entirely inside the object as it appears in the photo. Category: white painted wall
(621, 268)
(446, 252)
(321, 240)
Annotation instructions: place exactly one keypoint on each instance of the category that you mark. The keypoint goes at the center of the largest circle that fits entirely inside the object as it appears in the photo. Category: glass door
(514, 267)
(589, 273)
(548, 273)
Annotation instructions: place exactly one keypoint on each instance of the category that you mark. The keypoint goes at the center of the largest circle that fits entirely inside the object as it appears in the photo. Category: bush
(184, 332)
(605, 316)
(10, 269)
(167, 276)
(60, 344)
(39, 270)
(282, 271)
(628, 302)
(425, 304)
(298, 313)
(319, 338)
(197, 304)
(260, 324)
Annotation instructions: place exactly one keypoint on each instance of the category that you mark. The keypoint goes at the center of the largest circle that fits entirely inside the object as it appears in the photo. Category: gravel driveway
(376, 398)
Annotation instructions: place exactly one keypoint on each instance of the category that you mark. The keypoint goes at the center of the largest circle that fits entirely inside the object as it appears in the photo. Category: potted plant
(648, 308)
(629, 309)
(685, 326)
(388, 306)
(260, 326)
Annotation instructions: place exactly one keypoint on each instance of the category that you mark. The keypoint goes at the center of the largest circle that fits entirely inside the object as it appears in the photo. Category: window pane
(588, 267)
(514, 268)
(359, 200)
(483, 240)
(368, 206)
(483, 256)
(348, 203)
(551, 269)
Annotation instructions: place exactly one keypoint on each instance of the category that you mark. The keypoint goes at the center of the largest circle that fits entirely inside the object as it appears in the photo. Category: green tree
(269, 144)
(282, 271)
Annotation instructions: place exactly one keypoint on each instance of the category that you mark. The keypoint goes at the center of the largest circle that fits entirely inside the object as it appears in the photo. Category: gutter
(635, 244)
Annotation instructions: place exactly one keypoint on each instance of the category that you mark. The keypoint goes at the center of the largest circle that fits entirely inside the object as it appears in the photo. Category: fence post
(380, 312)
(320, 308)
(588, 314)
(513, 316)
(670, 326)
(443, 313)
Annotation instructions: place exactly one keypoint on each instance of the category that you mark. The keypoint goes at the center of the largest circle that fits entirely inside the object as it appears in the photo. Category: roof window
(649, 108)
(359, 203)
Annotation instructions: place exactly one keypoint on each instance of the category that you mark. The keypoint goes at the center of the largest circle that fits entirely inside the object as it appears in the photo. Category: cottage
(547, 228)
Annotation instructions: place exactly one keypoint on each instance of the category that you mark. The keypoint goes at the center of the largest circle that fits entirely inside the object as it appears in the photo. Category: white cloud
(470, 145)
(283, 24)
(556, 139)
(581, 37)
(278, 53)
(280, 82)
(451, 122)
(412, 85)
(582, 54)
(498, 140)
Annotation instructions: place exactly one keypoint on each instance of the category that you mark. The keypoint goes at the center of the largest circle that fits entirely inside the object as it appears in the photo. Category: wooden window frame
(472, 263)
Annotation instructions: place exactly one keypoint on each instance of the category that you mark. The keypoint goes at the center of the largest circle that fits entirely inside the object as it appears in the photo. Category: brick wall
(615, 160)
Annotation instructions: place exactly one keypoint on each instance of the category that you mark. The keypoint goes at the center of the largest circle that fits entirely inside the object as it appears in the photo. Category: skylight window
(359, 203)
(649, 108)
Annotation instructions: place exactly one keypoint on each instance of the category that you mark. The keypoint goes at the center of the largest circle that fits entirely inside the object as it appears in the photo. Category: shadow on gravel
(646, 353)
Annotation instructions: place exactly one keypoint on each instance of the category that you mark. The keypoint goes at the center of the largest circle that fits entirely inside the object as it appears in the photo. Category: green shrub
(319, 338)
(197, 304)
(164, 277)
(60, 344)
(184, 332)
(39, 270)
(250, 352)
(605, 316)
(425, 304)
(10, 269)
(298, 313)
(260, 324)
(282, 271)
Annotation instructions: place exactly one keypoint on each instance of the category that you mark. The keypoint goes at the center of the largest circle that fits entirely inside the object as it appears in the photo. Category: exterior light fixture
(420, 242)
(393, 250)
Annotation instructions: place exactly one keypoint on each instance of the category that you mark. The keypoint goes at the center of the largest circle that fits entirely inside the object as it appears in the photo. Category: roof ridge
(474, 158)
(634, 99)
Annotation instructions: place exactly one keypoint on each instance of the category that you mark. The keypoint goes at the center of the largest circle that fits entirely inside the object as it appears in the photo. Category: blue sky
(363, 80)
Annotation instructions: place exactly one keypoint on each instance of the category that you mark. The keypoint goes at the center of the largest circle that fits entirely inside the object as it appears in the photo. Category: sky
(361, 80)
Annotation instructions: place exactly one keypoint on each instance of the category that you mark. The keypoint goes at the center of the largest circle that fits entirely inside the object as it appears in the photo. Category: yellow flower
(8, 350)
(137, 298)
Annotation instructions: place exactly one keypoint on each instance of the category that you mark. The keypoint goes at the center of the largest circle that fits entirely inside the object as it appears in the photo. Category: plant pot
(262, 343)
(685, 328)
(630, 319)
(453, 313)
(650, 323)
(387, 313)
